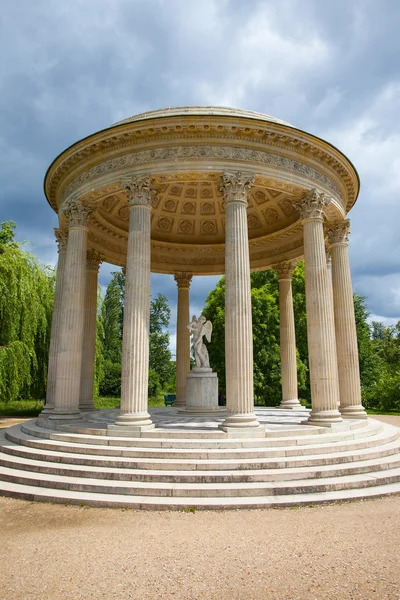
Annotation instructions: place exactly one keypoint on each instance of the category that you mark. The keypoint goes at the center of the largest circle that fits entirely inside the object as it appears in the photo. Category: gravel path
(348, 551)
(337, 552)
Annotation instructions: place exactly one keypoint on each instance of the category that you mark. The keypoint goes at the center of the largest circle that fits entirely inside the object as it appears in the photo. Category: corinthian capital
(183, 279)
(76, 212)
(338, 232)
(285, 269)
(93, 260)
(61, 239)
(312, 205)
(235, 186)
(140, 191)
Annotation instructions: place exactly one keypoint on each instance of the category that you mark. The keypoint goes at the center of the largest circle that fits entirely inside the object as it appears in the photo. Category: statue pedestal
(202, 392)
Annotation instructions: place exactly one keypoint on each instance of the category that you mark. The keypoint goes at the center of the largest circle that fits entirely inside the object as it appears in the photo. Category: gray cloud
(331, 68)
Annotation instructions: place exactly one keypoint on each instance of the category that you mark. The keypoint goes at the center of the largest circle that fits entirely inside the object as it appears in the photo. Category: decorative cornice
(140, 191)
(61, 239)
(169, 130)
(285, 269)
(183, 279)
(235, 186)
(200, 152)
(76, 212)
(312, 205)
(338, 232)
(93, 260)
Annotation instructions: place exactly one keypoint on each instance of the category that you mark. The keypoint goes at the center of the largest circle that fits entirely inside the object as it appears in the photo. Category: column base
(180, 403)
(353, 412)
(293, 403)
(324, 418)
(132, 422)
(65, 414)
(47, 410)
(242, 424)
(87, 406)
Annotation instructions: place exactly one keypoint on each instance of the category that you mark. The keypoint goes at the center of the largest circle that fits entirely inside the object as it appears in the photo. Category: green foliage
(111, 382)
(160, 354)
(109, 340)
(382, 391)
(266, 351)
(26, 304)
(112, 317)
(154, 384)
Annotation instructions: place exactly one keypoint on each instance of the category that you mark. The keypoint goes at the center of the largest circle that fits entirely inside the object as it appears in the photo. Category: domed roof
(202, 110)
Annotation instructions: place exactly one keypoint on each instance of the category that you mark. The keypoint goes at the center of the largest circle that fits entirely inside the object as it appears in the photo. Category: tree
(110, 333)
(160, 354)
(26, 304)
(266, 350)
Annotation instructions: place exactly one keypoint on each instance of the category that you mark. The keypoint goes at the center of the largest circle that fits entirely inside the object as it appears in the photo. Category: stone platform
(188, 461)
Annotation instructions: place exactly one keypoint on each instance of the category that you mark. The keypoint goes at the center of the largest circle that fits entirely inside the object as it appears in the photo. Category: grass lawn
(31, 408)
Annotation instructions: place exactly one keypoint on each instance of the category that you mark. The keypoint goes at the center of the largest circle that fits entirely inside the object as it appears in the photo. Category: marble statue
(199, 328)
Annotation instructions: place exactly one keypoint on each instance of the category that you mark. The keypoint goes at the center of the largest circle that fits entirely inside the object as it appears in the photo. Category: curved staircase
(175, 469)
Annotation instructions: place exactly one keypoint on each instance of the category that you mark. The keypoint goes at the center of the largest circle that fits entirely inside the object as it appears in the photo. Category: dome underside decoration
(185, 152)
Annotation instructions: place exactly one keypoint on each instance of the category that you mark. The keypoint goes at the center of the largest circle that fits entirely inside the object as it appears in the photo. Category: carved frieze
(255, 157)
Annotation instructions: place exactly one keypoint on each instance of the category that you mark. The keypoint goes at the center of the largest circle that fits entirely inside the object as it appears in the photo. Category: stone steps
(42, 464)
(38, 494)
(200, 490)
(378, 445)
(170, 441)
(22, 462)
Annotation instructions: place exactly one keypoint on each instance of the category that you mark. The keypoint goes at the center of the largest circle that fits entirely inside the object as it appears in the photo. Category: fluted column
(182, 336)
(93, 260)
(345, 323)
(320, 319)
(329, 273)
(287, 336)
(238, 318)
(69, 354)
(62, 238)
(135, 338)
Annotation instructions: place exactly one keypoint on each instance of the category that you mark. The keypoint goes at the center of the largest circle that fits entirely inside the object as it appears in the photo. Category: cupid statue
(199, 328)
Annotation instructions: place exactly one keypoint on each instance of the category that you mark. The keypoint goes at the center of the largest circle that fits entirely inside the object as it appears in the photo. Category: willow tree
(26, 304)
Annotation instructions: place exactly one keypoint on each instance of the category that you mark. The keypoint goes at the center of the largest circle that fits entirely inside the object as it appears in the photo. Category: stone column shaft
(69, 355)
(345, 323)
(135, 338)
(320, 319)
(287, 337)
(62, 238)
(93, 260)
(182, 337)
(238, 317)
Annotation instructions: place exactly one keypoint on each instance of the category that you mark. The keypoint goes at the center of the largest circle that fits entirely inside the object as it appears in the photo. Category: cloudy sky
(70, 68)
